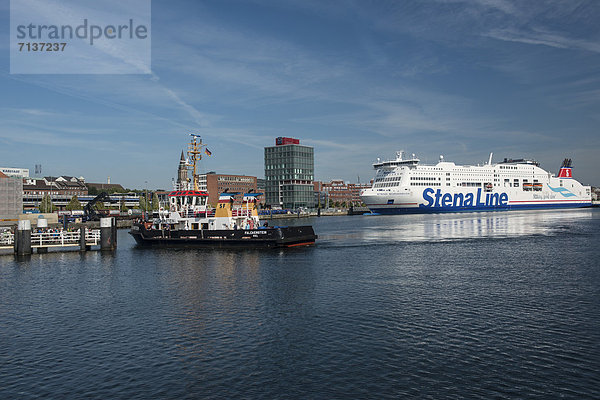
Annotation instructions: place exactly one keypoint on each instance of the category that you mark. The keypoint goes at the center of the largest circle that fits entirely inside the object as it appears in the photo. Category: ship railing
(243, 212)
(199, 214)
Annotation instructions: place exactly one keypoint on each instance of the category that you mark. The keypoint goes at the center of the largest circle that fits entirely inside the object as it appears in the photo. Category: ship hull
(432, 210)
(289, 236)
(434, 200)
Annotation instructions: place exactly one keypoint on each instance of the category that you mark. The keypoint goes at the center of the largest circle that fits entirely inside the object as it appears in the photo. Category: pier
(23, 241)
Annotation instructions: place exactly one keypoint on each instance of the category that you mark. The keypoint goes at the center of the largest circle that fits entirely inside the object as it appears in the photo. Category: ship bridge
(399, 161)
(520, 161)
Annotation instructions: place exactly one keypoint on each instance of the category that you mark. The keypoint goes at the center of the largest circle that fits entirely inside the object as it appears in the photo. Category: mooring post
(23, 238)
(113, 232)
(42, 223)
(82, 246)
(106, 234)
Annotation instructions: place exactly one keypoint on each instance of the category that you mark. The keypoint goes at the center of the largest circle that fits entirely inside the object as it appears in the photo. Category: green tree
(123, 207)
(143, 203)
(155, 203)
(92, 191)
(74, 204)
(46, 206)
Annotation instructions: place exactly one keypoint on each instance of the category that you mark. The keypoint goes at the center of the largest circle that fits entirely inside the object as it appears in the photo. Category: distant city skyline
(355, 80)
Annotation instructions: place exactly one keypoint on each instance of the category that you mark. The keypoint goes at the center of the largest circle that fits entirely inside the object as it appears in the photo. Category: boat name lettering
(255, 232)
(435, 198)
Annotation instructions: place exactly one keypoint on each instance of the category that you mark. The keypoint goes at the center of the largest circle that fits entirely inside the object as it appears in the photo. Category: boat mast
(195, 155)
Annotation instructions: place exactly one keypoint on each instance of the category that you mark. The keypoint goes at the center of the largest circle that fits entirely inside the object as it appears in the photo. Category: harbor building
(260, 185)
(338, 191)
(60, 189)
(11, 198)
(219, 183)
(95, 188)
(289, 174)
(16, 172)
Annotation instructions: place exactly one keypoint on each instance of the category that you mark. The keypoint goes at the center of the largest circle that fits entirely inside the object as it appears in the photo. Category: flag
(207, 151)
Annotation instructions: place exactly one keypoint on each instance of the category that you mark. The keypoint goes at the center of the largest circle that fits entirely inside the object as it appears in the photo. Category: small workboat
(189, 221)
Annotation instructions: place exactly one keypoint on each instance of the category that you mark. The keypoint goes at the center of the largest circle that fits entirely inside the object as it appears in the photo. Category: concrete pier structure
(108, 234)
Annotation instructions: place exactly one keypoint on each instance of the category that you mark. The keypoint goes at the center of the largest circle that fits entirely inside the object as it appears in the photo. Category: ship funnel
(566, 169)
(225, 205)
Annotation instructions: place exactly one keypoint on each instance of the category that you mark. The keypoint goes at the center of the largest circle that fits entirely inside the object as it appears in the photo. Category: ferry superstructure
(403, 185)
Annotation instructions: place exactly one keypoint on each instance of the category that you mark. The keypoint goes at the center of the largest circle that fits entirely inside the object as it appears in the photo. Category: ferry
(404, 185)
(188, 220)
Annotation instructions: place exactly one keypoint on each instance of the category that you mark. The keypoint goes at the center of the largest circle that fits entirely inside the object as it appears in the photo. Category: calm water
(486, 305)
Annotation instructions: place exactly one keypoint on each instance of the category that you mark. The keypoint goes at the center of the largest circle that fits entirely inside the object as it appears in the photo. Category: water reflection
(447, 227)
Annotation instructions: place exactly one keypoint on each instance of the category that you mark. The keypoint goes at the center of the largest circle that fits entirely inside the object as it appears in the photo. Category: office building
(289, 174)
(219, 183)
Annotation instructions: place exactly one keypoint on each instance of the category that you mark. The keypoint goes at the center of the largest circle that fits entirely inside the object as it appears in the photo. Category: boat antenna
(490, 160)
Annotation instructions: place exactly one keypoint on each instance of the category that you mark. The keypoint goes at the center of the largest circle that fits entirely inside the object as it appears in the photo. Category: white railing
(56, 239)
(7, 239)
(61, 238)
(92, 236)
(64, 238)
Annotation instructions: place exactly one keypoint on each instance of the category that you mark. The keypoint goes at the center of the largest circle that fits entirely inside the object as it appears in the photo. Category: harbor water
(482, 305)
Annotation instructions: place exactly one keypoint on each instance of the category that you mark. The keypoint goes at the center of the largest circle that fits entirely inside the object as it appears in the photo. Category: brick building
(340, 191)
(218, 183)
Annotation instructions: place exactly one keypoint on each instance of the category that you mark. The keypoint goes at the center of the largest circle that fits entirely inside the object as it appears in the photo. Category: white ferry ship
(403, 186)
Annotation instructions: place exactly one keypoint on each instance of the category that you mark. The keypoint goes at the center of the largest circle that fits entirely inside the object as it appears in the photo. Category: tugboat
(189, 221)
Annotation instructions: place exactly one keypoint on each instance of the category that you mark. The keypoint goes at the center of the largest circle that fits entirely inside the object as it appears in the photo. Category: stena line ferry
(404, 186)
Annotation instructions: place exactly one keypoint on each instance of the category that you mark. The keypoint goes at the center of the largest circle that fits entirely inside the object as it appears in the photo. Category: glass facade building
(289, 174)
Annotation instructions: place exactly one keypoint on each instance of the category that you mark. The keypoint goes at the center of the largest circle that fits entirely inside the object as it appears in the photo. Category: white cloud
(545, 38)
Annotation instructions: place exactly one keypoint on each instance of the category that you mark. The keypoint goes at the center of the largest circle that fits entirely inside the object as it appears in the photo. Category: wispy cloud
(545, 38)
(452, 77)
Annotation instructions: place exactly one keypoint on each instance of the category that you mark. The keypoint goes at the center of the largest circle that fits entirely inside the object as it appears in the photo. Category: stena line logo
(437, 199)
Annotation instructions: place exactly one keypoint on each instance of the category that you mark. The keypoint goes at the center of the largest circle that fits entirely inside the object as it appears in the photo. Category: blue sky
(355, 79)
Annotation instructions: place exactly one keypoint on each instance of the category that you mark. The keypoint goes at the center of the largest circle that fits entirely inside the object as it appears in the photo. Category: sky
(356, 80)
